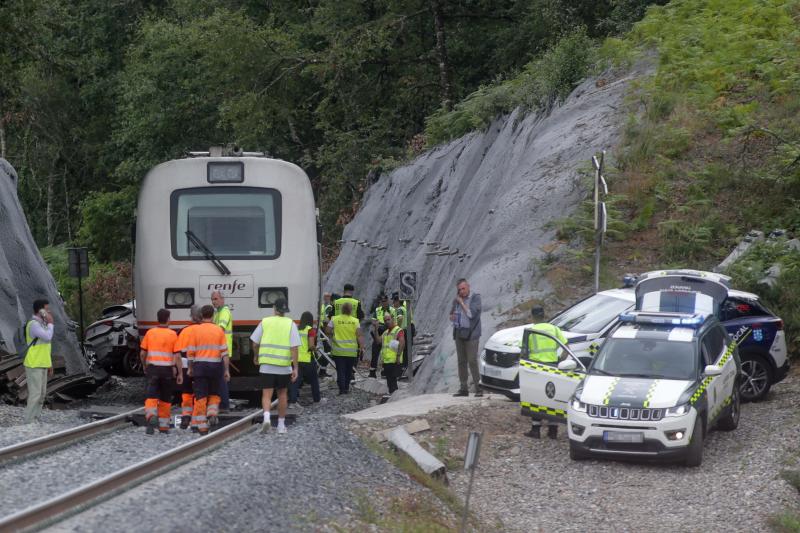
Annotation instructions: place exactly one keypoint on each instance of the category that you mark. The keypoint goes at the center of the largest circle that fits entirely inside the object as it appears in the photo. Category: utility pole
(600, 214)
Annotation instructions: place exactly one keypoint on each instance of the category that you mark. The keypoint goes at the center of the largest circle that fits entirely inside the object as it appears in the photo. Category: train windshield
(234, 222)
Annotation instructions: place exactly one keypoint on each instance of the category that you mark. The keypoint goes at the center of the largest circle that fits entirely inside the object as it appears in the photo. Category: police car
(585, 325)
(659, 383)
(759, 333)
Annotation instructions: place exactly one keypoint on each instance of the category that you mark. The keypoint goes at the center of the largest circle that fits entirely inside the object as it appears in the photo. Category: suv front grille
(624, 413)
(501, 359)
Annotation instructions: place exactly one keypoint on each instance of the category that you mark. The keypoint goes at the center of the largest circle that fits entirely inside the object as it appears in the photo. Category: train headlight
(177, 298)
(268, 295)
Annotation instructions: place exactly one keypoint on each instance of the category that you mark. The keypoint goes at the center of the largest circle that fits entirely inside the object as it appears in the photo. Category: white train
(243, 224)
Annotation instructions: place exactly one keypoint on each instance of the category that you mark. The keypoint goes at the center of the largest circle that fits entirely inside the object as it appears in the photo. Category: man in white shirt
(275, 345)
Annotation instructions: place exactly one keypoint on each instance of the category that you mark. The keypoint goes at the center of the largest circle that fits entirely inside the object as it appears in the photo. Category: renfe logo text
(230, 287)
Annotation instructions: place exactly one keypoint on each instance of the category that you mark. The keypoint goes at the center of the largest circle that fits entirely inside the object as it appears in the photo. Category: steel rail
(63, 438)
(77, 499)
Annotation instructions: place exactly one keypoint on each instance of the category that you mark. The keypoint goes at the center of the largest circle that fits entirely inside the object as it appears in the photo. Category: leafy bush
(780, 298)
(107, 219)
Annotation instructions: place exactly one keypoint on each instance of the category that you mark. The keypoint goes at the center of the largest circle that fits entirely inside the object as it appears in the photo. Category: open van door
(680, 293)
(545, 389)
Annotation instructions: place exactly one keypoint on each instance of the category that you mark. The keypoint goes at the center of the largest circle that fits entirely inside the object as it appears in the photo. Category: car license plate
(626, 436)
(494, 372)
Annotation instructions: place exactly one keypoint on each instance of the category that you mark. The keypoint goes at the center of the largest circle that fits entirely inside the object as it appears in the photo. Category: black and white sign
(408, 285)
(78, 262)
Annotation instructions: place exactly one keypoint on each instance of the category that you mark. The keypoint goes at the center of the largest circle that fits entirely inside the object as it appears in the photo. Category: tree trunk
(66, 204)
(441, 54)
(2, 139)
(51, 238)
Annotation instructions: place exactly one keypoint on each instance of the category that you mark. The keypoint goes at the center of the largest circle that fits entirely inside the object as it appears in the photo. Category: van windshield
(592, 314)
(642, 357)
(234, 222)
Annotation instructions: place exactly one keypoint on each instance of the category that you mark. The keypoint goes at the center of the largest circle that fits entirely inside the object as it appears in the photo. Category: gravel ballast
(318, 473)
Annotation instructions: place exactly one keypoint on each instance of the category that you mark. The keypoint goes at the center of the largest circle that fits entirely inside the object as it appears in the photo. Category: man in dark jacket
(465, 314)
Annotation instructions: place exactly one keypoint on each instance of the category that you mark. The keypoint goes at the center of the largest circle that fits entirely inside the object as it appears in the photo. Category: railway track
(47, 512)
(58, 440)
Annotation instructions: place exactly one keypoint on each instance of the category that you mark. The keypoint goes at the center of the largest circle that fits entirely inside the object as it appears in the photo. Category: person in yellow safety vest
(392, 344)
(544, 350)
(346, 345)
(187, 391)
(162, 363)
(307, 364)
(378, 327)
(224, 319)
(276, 341)
(208, 362)
(38, 361)
(325, 308)
(355, 305)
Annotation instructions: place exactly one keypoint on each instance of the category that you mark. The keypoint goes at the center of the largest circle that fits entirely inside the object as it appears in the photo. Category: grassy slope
(711, 148)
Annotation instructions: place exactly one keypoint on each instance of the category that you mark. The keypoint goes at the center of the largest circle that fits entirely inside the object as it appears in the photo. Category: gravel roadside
(523, 485)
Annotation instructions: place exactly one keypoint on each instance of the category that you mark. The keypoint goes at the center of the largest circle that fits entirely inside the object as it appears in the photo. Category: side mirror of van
(712, 370)
(567, 364)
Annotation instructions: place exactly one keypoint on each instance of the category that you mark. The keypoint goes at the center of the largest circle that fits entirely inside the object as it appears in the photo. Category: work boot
(461, 393)
(151, 425)
(478, 393)
(552, 432)
(185, 421)
(534, 433)
(195, 429)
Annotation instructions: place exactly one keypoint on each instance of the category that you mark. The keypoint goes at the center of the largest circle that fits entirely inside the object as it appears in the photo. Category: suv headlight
(679, 410)
(578, 405)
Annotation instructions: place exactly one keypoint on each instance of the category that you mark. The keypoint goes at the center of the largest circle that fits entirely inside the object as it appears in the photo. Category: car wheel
(132, 364)
(730, 420)
(576, 453)
(694, 452)
(756, 378)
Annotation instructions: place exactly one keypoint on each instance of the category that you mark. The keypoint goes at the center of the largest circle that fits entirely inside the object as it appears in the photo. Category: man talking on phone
(38, 361)
(465, 314)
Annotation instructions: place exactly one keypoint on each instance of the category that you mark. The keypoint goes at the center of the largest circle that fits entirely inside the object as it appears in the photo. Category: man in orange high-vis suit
(162, 366)
(208, 362)
(187, 390)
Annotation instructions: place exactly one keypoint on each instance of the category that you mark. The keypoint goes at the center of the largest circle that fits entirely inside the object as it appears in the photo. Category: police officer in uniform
(543, 350)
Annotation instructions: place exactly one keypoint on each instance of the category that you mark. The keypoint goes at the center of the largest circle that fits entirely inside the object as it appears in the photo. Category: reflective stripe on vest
(304, 356)
(541, 348)
(208, 344)
(38, 355)
(390, 356)
(345, 336)
(276, 337)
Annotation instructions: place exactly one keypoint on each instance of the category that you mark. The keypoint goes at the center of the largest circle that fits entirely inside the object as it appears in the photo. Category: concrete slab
(420, 405)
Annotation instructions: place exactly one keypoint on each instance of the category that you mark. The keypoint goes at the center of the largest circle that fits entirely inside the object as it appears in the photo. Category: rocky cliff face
(489, 195)
(24, 278)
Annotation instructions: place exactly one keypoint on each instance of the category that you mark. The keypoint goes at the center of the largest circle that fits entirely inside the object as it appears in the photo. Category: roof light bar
(676, 319)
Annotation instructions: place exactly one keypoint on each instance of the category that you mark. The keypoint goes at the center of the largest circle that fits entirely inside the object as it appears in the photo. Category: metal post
(410, 343)
(80, 304)
(470, 462)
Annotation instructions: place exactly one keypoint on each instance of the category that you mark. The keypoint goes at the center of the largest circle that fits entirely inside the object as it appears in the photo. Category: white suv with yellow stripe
(659, 383)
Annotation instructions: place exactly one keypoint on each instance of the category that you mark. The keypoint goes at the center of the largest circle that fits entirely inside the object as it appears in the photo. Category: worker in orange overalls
(162, 366)
(208, 362)
(187, 390)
